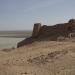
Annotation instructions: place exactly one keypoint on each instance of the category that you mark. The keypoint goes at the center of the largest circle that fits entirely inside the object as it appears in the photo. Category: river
(9, 42)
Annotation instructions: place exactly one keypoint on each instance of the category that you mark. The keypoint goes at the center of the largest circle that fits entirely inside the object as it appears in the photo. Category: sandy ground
(39, 58)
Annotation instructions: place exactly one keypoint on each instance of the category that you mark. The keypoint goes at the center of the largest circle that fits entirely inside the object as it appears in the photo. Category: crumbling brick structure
(36, 29)
(58, 29)
(50, 32)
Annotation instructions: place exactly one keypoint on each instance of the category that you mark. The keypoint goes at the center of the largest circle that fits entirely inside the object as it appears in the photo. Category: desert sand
(39, 58)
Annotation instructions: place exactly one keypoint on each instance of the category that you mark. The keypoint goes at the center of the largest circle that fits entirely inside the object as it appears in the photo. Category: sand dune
(39, 58)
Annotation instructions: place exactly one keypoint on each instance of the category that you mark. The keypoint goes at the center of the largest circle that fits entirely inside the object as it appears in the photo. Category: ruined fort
(50, 33)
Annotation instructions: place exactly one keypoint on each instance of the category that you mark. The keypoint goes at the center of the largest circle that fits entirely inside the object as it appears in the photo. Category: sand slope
(39, 58)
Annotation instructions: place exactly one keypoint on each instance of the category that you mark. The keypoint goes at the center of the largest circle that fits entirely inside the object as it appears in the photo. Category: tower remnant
(36, 29)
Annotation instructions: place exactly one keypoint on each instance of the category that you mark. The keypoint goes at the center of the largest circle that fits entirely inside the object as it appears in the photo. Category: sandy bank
(39, 58)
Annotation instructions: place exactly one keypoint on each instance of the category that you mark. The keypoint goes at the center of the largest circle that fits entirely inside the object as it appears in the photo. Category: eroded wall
(45, 32)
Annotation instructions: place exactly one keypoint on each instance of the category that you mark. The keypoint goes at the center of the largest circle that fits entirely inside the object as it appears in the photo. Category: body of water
(7, 42)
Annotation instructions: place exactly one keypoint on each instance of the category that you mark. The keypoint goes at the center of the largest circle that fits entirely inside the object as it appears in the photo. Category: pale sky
(22, 14)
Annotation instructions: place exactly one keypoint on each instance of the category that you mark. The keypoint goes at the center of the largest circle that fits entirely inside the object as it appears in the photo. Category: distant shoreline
(15, 34)
(13, 37)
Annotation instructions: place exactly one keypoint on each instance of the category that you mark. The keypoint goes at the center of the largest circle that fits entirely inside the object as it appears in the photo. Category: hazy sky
(22, 14)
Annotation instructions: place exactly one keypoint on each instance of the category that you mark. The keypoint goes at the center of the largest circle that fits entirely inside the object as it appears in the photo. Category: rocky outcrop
(50, 57)
(49, 32)
(25, 42)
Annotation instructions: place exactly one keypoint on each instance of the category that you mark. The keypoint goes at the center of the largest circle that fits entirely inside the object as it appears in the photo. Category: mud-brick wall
(45, 30)
(58, 29)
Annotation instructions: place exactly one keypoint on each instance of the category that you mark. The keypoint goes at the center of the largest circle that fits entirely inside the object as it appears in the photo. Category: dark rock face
(49, 32)
(25, 42)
